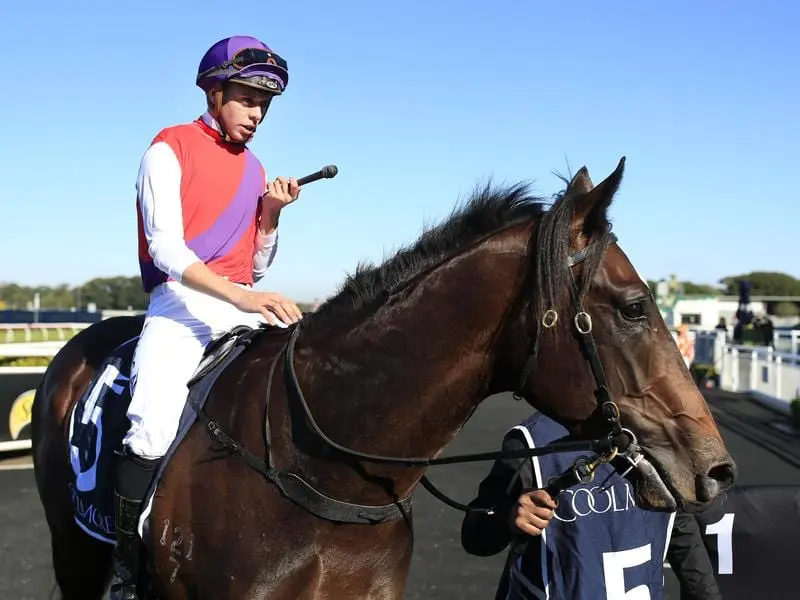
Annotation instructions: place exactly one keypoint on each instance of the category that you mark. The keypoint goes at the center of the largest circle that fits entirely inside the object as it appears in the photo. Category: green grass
(17, 336)
(33, 361)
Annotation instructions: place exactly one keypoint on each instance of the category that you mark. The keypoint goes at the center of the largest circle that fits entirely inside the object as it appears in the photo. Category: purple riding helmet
(247, 61)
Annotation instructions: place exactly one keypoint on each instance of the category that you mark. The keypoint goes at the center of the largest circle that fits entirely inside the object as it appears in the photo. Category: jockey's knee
(151, 436)
(164, 363)
(154, 412)
(134, 474)
(154, 422)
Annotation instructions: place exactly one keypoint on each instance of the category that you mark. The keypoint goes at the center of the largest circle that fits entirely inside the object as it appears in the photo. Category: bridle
(619, 441)
(583, 324)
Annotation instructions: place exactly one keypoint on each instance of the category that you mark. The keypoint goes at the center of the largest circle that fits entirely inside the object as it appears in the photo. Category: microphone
(324, 173)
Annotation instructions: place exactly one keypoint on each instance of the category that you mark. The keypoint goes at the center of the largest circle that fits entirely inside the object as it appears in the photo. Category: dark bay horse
(507, 294)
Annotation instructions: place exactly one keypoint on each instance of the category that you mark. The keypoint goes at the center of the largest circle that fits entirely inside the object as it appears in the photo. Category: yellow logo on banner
(20, 415)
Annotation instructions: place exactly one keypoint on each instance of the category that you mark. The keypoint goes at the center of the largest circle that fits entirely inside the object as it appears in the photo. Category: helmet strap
(215, 100)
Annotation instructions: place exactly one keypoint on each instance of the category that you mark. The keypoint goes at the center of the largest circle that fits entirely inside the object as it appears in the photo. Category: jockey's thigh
(179, 324)
(167, 354)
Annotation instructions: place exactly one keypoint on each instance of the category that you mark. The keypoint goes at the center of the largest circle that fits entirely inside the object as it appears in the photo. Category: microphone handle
(311, 178)
(325, 172)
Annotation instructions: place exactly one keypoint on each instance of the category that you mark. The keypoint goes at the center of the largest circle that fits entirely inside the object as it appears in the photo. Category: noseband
(619, 442)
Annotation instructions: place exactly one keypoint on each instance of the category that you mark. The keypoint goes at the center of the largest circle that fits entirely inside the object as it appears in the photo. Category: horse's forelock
(551, 274)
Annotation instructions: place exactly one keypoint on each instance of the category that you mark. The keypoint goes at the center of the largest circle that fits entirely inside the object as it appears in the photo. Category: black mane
(488, 210)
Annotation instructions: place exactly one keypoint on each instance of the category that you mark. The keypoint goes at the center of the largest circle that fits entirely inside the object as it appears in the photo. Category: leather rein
(297, 489)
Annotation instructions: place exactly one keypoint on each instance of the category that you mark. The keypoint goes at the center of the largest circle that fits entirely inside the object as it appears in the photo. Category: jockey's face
(242, 109)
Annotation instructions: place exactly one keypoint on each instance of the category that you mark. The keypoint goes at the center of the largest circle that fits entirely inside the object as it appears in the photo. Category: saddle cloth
(98, 423)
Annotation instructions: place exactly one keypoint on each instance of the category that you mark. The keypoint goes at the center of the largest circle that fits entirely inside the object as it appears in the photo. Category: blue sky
(416, 102)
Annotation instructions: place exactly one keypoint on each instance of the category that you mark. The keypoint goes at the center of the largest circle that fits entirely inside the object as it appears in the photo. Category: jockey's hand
(533, 512)
(269, 304)
(280, 192)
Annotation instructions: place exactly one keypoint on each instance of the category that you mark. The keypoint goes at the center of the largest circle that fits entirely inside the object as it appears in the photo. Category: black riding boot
(133, 479)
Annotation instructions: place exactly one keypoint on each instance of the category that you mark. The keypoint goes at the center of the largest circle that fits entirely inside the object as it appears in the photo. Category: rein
(301, 492)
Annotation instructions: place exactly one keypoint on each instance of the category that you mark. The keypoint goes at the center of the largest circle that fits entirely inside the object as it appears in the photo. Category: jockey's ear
(214, 98)
(591, 206)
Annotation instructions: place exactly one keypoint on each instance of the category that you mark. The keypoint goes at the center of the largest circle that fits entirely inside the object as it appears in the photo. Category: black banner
(16, 398)
(752, 535)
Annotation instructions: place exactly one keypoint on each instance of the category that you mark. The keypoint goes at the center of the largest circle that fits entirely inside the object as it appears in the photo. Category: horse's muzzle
(719, 478)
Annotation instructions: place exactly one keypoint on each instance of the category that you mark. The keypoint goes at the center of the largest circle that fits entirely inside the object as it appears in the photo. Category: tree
(786, 309)
(61, 296)
(689, 288)
(763, 283)
(15, 296)
(106, 293)
(114, 293)
(700, 289)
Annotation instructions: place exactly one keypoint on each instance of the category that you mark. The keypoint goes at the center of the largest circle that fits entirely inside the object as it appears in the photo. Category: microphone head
(329, 171)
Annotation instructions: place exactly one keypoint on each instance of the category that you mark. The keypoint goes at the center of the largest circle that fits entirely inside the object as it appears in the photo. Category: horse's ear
(591, 206)
(581, 183)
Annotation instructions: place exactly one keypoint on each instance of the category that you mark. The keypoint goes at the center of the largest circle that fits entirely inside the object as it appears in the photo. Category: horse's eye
(634, 310)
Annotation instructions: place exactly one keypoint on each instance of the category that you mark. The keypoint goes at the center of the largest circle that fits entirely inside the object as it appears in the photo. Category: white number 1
(723, 529)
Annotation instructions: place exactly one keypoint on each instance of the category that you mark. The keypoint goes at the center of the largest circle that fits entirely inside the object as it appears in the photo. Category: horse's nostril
(719, 478)
(724, 474)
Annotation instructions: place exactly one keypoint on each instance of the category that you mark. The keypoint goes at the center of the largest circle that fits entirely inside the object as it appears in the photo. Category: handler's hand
(533, 512)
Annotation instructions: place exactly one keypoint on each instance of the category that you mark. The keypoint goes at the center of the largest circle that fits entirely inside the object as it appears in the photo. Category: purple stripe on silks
(237, 217)
(151, 275)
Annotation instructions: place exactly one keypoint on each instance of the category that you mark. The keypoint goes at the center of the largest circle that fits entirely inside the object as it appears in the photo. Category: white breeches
(179, 324)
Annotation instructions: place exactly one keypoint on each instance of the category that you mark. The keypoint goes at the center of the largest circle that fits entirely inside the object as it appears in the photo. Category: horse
(292, 476)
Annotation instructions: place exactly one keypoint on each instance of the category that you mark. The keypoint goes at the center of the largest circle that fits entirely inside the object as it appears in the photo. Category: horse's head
(578, 268)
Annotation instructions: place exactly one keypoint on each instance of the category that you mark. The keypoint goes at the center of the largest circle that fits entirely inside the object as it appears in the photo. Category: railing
(11, 332)
(765, 373)
(759, 369)
(787, 341)
(33, 349)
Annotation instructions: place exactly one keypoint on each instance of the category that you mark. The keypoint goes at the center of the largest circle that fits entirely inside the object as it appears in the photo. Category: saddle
(98, 423)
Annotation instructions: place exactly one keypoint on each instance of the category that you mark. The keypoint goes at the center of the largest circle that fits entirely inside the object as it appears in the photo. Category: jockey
(591, 544)
(207, 218)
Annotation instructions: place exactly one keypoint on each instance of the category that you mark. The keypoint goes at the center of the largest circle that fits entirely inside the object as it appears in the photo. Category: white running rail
(764, 373)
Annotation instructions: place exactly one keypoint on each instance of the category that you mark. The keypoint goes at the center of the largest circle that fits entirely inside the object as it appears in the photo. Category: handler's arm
(483, 534)
(689, 559)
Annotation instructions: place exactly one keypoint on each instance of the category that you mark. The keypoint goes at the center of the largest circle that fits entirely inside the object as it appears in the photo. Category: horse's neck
(405, 379)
